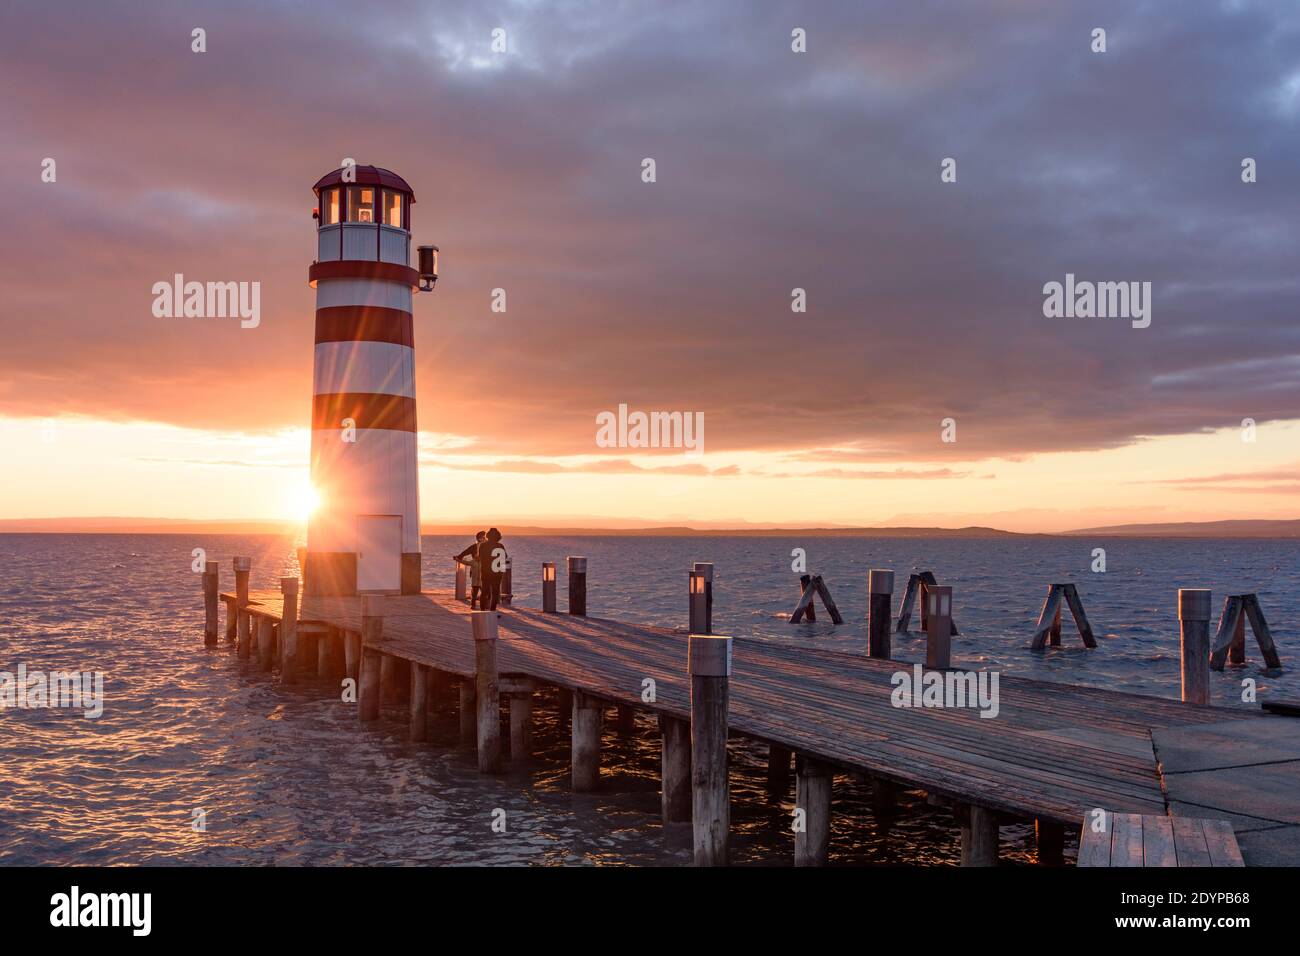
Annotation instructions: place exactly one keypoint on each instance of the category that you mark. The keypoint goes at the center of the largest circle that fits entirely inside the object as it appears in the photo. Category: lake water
(286, 775)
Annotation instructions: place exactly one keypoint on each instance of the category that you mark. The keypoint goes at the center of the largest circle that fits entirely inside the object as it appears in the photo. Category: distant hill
(109, 525)
(1247, 528)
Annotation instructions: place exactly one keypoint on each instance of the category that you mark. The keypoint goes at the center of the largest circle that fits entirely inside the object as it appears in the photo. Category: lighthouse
(364, 536)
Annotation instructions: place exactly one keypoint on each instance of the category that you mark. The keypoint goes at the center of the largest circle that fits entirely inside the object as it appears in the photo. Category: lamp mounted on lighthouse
(364, 536)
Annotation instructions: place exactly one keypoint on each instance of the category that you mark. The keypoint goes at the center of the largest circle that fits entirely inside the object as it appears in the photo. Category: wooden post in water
(813, 797)
(1194, 628)
(419, 702)
(242, 567)
(588, 713)
(468, 714)
(264, 642)
(1050, 837)
(778, 769)
(484, 627)
(372, 632)
(709, 666)
(352, 655)
(324, 646)
(1054, 634)
(520, 697)
(578, 586)
(880, 584)
(211, 590)
(548, 587)
(388, 678)
(289, 631)
(979, 837)
(564, 708)
(810, 612)
(937, 600)
(1237, 650)
(675, 772)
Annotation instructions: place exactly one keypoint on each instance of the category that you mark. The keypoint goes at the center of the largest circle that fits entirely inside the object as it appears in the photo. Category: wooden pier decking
(1052, 753)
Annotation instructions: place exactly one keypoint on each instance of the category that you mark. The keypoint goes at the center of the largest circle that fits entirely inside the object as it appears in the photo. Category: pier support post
(388, 678)
(937, 601)
(548, 587)
(1050, 837)
(352, 655)
(675, 761)
(564, 708)
(211, 590)
(778, 769)
(1237, 649)
(884, 798)
(1194, 625)
(578, 586)
(625, 722)
(813, 797)
(979, 837)
(372, 632)
(588, 714)
(242, 567)
(880, 584)
(521, 725)
(264, 643)
(468, 714)
(709, 666)
(484, 626)
(419, 702)
(289, 631)
(324, 649)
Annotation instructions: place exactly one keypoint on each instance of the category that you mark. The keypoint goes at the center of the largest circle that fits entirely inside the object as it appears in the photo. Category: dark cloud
(775, 170)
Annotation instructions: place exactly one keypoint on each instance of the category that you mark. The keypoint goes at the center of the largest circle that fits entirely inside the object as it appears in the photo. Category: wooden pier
(1053, 753)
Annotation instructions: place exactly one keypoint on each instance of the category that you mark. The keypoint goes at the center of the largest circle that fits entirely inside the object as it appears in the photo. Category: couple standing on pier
(487, 560)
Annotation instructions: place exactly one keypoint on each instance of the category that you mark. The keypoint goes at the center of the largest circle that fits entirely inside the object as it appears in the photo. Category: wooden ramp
(1054, 751)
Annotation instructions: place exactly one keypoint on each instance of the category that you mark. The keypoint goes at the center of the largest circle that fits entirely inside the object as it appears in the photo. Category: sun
(304, 500)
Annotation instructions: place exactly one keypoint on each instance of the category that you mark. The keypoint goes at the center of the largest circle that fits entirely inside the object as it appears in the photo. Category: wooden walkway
(1053, 752)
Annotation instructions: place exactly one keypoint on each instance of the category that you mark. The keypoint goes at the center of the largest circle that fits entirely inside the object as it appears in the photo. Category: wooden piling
(625, 722)
(1237, 649)
(805, 605)
(264, 643)
(1263, 636)
(979, 837)
(324, 648)
(564, 708)
(588, 714)
(813, 797)
(419, 703)
(468, 715)
(709, 666)
(880, 584)
(211, 591)
(289, 630)
(548, 587)
(1050, 837)
(1194, 632)
(938, 644)
(521, 719)
(388, 678)
(1054, 633)
(578, 586)
(778, 769)
(675, 769)
(372, 633)
(352, 655)
(484, 628)
(242, 568)
(884, 798)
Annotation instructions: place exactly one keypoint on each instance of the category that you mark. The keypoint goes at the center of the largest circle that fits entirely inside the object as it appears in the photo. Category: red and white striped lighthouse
(364, 535)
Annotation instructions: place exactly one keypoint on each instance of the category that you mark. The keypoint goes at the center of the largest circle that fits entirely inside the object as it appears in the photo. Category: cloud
(775, 170)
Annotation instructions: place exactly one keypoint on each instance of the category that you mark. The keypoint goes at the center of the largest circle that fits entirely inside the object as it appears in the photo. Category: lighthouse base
(335, 573)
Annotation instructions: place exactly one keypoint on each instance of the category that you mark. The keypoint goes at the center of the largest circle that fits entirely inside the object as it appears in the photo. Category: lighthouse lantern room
(364, 536)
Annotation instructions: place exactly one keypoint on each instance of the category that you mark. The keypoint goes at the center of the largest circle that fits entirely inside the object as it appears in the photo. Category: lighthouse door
(379, 553)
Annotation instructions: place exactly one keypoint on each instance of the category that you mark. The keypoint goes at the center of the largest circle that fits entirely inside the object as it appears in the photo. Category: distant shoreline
(1270, 529)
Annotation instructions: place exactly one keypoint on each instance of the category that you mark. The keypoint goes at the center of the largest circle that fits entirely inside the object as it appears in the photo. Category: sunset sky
(775, 170)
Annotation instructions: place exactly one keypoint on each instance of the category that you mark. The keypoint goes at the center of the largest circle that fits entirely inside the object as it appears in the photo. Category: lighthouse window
(392, 208)
(331, 205)
(361, 204)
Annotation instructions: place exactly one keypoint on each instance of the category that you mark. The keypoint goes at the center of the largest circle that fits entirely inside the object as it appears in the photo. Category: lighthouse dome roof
(367, 176)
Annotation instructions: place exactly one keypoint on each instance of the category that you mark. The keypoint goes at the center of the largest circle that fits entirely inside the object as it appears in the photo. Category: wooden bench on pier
(1131, 839)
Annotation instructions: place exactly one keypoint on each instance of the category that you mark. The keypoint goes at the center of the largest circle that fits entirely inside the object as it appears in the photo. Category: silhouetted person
(470, 557)
(492, 559)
